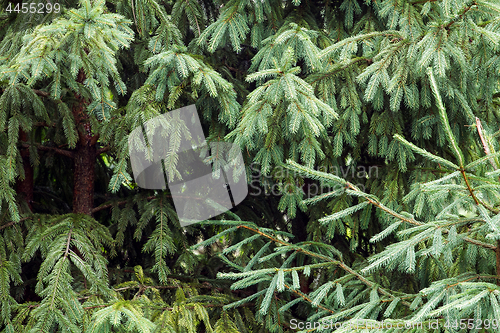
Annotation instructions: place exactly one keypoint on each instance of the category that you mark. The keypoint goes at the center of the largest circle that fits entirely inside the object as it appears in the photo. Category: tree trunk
(84, 177)
(85, 158)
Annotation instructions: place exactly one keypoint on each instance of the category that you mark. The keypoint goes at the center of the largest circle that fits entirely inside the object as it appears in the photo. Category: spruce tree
(369, 131)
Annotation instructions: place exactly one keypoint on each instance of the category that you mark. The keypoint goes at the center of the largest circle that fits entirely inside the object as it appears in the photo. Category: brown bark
(84, 177)
(84, 158)
(25, 187)
(305, 282)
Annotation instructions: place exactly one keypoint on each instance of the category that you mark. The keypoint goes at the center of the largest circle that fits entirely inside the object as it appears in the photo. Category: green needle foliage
(370, 136)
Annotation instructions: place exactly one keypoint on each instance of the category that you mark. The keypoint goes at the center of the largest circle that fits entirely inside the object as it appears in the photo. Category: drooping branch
(41, 93)
(25, 186)
(375, 202)
(487, 151)
(328, 259)
(415, 222)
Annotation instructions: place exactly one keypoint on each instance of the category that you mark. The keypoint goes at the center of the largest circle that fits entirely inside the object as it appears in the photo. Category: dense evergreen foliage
(370, 133)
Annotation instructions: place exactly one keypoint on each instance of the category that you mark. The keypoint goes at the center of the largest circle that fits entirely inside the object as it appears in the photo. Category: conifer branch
(471, 191)
(485, 143)
(308, 299)
(103, 149)
(444, 119)
(135, 18)
(369, 283)
(320, 256)
(37, 92)
(487, 151)
(341, 67)
(465, 10)
(358, 65)
(59, 151)
(422, 1)
(66, 252)
(415, 222)
(451, 138)
(497, 254)
(44, 124)
(376, 203)
(119, 203)
(8, 224)
(41, 93)
(476, 242)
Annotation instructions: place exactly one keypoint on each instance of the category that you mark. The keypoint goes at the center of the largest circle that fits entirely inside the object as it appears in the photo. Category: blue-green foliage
(306, 89)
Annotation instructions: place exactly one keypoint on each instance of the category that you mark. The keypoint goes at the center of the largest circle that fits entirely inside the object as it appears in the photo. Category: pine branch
(487, 151)
(497, 254)
(38, 92)
(320, 256)
(62, 152)
(308, 299)
(44, 124)
(465, 10)
(422, 1)
(476, 242)
(452, 141)
(109, 205)
(471, 191)
(486, 147)
(41, 93)
(103, 149)
(444, 119)
(414, 222)
(309, 172)
(66, 252)
(341, 67)
(8, 224)
(119, 203)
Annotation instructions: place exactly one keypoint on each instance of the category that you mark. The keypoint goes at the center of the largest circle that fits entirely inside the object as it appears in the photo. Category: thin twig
(103, 150)
(119, 203)
(8, 224)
